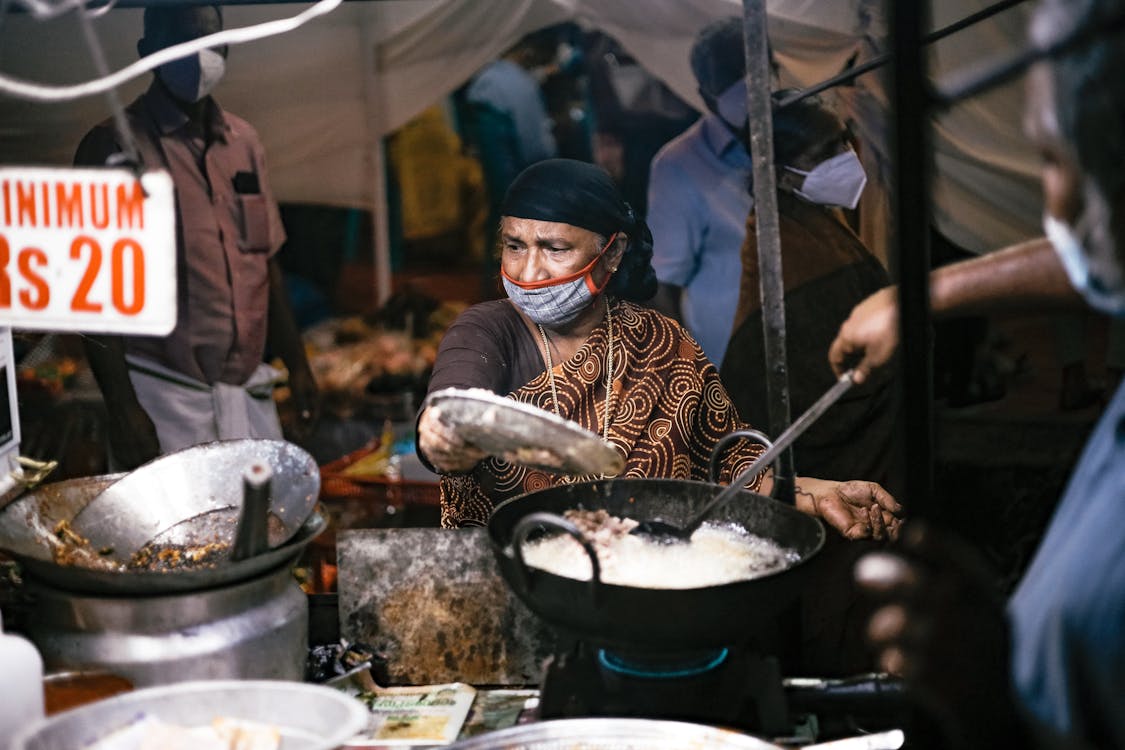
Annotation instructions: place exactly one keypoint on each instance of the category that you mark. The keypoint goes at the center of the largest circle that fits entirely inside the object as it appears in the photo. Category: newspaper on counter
(425, 715)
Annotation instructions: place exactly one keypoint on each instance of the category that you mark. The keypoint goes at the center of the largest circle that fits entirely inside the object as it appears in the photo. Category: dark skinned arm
(285, 342)
(1025, 276)
(132, 435)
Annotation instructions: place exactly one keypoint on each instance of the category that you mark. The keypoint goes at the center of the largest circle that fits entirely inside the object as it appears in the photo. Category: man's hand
(442, 446)
(132, 438)
(870, 333)
(942, 627)
(856, 509)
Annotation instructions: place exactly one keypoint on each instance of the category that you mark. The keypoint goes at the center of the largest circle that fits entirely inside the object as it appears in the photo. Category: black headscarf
(583, 195)
(569, 192)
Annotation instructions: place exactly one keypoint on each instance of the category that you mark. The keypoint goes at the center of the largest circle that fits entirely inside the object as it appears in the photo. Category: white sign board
(87, 250)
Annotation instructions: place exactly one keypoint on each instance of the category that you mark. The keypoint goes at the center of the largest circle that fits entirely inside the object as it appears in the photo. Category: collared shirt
(1068, 613)
(698, 200)
(228, 226)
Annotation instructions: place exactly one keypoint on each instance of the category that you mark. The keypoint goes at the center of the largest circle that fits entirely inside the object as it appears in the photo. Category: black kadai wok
(664, 620)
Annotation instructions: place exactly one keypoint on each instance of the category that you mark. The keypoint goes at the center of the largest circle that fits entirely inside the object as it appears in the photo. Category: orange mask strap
(566, 279)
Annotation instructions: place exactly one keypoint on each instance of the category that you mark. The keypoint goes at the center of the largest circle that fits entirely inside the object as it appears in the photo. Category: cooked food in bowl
(718, 553)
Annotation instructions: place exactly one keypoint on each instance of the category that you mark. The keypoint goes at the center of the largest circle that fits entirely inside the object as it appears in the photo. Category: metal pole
(911, 195)
(380, 224)
(772, 286)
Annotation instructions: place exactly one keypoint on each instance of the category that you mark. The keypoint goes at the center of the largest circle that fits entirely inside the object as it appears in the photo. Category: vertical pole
(910, 106)
(772, 286)
(380, 220)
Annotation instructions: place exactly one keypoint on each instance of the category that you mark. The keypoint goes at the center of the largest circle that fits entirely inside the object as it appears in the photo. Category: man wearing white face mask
(828, 271)
(206, 380)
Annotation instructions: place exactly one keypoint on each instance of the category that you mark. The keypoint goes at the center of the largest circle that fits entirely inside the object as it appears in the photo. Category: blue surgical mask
(838, 181)
(191, 78)
(1107, 296)
(556, 303)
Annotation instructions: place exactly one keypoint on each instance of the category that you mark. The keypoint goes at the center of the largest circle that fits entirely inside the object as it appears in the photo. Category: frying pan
(27, 533)
(194, 497)
(635, 618)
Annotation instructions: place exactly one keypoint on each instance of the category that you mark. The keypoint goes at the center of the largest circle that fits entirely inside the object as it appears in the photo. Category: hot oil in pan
(717, 554)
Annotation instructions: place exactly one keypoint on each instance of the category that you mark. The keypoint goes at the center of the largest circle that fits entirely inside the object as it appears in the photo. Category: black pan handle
(533, 521)
(724, 442)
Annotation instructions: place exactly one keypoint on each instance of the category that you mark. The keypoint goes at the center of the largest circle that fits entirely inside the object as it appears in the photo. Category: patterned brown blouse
(668, 408)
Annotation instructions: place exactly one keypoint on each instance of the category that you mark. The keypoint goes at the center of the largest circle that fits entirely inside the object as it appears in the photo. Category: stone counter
(433, 602)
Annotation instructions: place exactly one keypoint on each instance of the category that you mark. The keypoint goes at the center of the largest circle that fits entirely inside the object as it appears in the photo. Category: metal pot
(634, 618)
(251, 629)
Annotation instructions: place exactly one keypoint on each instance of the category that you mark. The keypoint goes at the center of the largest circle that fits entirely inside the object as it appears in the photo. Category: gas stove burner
(662, 666)
(732, 686)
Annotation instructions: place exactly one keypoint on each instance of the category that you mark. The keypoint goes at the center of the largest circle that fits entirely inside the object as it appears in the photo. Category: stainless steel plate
(613, 734)
(309, 717)
(538, 438)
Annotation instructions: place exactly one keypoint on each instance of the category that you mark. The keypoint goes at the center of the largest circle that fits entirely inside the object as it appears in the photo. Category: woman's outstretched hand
(857, 509)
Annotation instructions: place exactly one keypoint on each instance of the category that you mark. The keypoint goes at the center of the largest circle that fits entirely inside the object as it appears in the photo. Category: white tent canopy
(322, 96)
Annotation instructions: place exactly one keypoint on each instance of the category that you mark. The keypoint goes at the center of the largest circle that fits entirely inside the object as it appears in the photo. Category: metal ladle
(663, 531)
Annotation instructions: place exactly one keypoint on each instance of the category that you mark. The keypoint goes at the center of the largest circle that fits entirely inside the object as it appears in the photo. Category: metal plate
(309, 717)
(194, 496)
(499, 426)
(613, 734)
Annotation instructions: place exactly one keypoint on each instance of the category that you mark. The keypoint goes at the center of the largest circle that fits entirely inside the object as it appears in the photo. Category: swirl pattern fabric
(668, 409)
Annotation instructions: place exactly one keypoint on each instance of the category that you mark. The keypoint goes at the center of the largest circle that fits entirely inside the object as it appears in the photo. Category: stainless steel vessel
(253, 629)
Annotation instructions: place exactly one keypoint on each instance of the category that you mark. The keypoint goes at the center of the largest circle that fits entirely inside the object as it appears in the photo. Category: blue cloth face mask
(191, 78)
(556, 303)
(838, 181)
(1107, 296)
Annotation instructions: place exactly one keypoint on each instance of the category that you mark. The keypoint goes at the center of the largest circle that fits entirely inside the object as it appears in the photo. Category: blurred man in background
(206, 380)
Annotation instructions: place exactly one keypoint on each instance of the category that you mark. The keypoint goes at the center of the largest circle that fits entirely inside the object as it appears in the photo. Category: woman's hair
(583, 195)
(635, 279)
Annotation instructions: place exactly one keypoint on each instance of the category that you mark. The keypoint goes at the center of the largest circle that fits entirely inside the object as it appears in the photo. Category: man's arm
(285, 341)
(1024, 276)
(132, 435)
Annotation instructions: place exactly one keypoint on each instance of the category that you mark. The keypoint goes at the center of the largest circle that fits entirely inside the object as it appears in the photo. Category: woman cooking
(571, 339)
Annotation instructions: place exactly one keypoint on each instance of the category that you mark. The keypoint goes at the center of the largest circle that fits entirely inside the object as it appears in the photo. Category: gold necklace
(608, 371)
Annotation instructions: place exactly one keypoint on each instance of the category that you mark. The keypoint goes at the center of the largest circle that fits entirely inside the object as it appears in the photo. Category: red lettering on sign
(25, 203)
(5, 280)
(131, 208)
(100, 221)
(81, 300)
(137, 261)
(39, 295)
(69, 204)
(7, 204)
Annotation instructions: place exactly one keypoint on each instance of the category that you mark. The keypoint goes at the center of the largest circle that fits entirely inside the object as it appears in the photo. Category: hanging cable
(43, 93)
(99, 12)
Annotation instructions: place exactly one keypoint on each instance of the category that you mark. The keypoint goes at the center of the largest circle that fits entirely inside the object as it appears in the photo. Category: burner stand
(729, 687)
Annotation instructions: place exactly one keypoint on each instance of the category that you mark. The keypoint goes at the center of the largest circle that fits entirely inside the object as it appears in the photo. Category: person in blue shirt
(699, 197)
(1049, 669)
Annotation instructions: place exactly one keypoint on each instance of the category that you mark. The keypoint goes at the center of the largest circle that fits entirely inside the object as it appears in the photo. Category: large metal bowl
(27, 533)
(309, 717)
